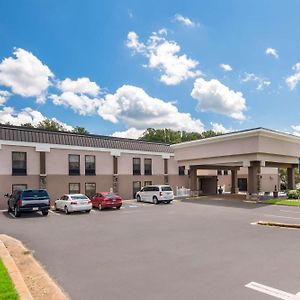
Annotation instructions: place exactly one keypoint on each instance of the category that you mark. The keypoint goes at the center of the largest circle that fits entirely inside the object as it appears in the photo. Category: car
(155, 194)
(28, 200)
(106, 199)
(73, 202)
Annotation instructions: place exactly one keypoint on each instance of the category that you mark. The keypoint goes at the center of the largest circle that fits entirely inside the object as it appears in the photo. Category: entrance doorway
(207, 185)
(242, 184)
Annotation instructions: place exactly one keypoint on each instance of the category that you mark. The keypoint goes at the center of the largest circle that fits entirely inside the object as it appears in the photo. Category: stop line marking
(272, 291)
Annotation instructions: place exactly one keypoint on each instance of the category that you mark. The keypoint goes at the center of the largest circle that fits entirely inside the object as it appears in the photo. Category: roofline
(24, 128)
(238, 134)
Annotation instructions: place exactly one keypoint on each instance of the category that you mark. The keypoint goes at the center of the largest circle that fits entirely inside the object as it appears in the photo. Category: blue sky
(118, 67)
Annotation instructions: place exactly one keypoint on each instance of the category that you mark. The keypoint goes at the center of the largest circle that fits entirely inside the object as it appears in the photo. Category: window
(19, 163)
(90, 189)
(225, 172)
(165, 166)
(181, 170)
(74, 188)
(219, 172)
(136, 187)
(90, 165)
(74, 164)
(147, 183)
(18, 187)
(136, 162)
(148, 166)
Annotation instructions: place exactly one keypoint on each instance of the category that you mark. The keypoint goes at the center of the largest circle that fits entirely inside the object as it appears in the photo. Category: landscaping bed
(7, 289)
(288, 202)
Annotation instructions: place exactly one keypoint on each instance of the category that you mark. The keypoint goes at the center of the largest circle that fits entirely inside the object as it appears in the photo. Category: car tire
(66, 210)
(55, 207)
(88, 211)
(118, 207)
(155, 200)
(45, 212)
(138, 198)
(100, 206)
(16, 212)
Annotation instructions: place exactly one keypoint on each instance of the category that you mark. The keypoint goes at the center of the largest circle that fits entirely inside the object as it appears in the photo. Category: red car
(106, 199)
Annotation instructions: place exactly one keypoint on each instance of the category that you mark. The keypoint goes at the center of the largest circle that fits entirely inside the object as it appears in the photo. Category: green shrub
(293, 194)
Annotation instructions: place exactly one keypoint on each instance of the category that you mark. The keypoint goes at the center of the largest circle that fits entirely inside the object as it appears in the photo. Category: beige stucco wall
(33, 159)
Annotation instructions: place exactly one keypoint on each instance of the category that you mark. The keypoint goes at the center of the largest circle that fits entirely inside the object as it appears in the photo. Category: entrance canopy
(254, 148)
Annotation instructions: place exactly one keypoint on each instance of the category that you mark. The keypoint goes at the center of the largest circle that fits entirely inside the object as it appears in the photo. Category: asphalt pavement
(186, 250)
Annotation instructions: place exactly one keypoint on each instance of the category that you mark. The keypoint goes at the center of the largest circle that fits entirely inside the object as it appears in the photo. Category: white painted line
(285, 217)
(53, 212)
(3, 210)
(270, 291)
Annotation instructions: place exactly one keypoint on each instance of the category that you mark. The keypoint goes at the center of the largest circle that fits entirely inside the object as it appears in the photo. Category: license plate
(35, 208)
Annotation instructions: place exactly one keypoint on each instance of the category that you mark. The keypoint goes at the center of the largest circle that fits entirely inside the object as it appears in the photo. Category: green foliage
(173, 137)
(28, 125)
(7, 290)
(50, 125)
(293, 194)
(80, 130)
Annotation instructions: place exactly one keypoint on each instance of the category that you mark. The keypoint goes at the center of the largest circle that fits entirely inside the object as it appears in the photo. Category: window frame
(78, 183)
(18, 184)
(73, 171)
(181, 170)
(147, 170)
(94, 183)
(136, 171)
(90, 171)
(18, 171)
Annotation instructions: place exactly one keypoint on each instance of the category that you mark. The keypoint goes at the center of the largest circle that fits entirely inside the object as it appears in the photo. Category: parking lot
(185, 250)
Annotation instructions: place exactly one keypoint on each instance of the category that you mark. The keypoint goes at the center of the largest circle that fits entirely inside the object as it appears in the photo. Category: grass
(7, 289)
(288, 202)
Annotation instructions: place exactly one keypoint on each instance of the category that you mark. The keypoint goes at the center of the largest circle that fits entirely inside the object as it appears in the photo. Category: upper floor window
(148, 166)
(181, 170)
(19, 163)
(136, 166)
(225, 172)
(74, 164)
(90, 165)
(219, 172)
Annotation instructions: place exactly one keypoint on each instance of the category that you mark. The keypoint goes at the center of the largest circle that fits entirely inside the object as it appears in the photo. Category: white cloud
(260, 81)
(134, 107)
(80, 86)
(26, 75)
(273, 52)
(163, 55)
(26, 115)
(217, 127)
(131, 133)
(214, 96)
(4, 95)
(185, 21)
(296, 129)
(293, 80)
(226, 67)
(81, 104)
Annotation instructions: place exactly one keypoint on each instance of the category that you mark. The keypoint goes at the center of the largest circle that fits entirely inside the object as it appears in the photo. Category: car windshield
(109, 195)
(35, 194)
(79, 197)
(166, 189)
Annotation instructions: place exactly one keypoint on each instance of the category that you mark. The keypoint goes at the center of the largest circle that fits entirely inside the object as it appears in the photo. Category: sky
(120, 67)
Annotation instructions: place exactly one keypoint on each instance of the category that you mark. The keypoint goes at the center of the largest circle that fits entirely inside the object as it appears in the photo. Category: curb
(14, 273)
(286, 225)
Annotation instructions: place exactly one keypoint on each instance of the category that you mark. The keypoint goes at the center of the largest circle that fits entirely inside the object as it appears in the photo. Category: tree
(28, 125)
(173, 137)
(50, 125)
(80, 130)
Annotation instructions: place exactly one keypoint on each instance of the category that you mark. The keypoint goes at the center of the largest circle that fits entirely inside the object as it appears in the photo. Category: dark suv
(27, 201)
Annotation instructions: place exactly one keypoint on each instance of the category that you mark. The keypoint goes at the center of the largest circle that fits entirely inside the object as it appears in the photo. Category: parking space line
(3, 210)
(270, 291)
(53, 212)
(285, 217)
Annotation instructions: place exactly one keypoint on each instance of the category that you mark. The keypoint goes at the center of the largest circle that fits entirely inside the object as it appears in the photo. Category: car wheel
(55, 207)
(88, 211)
(66, 210)
(138, 198)
(155, 200)
(45, 212)
(118, 207)
(100, 206)
(16, 212)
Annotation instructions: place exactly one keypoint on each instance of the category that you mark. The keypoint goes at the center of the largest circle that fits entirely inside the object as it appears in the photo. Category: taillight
(160, 193)
(73, 202)
(49, 202)
(20, 203)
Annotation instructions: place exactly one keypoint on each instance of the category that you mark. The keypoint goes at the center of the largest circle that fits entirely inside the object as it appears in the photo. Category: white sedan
(73, 202)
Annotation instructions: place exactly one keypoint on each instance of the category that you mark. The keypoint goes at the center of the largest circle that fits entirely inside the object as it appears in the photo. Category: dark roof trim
(34, 135)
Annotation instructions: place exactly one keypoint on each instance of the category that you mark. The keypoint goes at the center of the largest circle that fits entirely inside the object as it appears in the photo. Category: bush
(293, 194)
